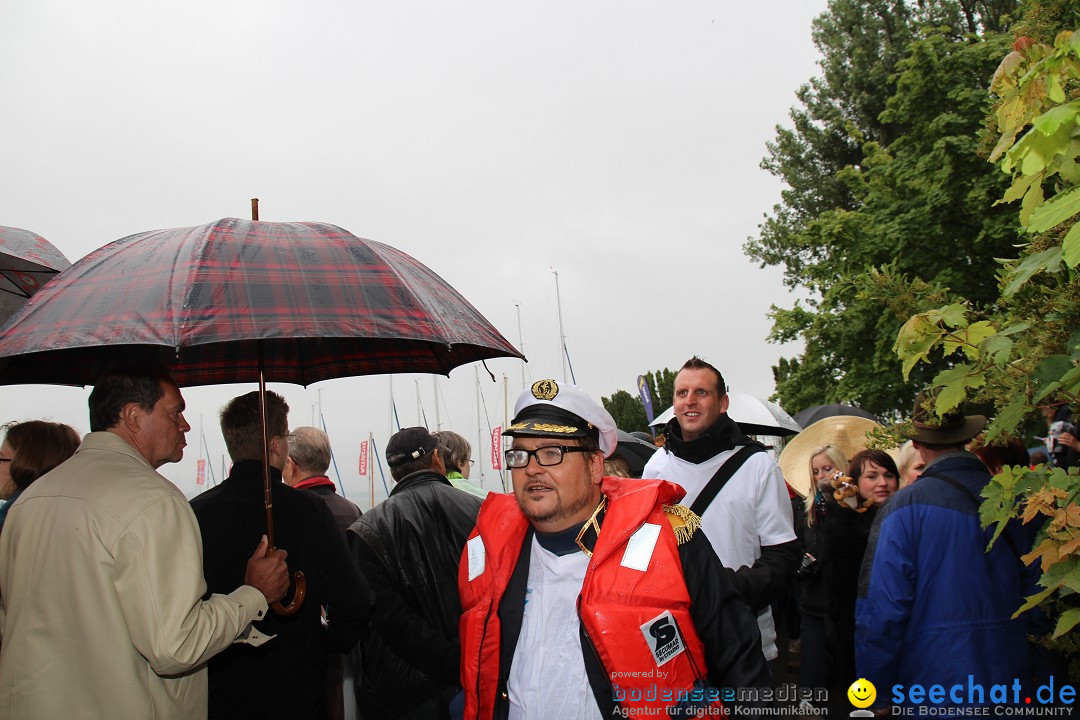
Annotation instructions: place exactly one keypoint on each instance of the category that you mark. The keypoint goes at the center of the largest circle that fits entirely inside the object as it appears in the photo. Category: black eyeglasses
(545, 456)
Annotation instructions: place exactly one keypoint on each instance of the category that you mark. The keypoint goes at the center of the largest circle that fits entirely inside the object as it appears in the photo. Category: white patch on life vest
(663, 637)
(477, 557)
(639, 548)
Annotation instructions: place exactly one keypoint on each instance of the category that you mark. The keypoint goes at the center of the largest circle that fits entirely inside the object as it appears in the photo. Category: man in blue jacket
(934, 607)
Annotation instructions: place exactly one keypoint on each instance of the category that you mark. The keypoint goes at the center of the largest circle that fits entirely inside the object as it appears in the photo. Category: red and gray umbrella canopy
(27, 262)
(201, 301)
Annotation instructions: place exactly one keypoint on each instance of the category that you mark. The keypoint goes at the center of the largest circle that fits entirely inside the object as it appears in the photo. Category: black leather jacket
(409, 547)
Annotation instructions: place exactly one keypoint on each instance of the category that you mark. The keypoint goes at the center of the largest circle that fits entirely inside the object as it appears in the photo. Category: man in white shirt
(747, 516)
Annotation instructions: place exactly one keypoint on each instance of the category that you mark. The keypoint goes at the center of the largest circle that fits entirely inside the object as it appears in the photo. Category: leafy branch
(1024, 354)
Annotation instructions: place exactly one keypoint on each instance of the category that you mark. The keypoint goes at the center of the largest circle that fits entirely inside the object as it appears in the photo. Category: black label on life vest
(663, 636)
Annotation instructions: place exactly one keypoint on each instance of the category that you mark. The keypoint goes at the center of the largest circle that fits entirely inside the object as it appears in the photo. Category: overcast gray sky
(616, 142)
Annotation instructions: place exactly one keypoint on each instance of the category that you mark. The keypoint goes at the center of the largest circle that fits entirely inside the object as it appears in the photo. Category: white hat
(551, 409)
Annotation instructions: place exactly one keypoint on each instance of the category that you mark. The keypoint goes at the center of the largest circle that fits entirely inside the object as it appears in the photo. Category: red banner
(496, 448)
(200, 473)
(363, 458)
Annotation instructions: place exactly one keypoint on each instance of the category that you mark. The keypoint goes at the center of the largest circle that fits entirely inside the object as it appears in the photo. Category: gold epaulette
(684, 522)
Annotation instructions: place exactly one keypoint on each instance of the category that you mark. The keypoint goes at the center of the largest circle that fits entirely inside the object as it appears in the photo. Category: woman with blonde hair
(825, 462)
(910, 464)
(846, 530)
(836, 539)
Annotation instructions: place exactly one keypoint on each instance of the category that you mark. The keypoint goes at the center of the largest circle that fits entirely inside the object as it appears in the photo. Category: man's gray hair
(309, 448)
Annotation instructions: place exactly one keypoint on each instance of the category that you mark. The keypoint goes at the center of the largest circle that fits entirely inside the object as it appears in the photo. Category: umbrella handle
(299, 590)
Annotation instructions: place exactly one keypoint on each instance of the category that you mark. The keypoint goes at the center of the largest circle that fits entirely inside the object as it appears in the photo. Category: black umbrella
(812, 414)
(635, 451)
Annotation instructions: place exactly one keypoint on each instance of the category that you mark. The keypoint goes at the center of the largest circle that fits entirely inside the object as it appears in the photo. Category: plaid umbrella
(321, 302)
(27, 261)
(242, 300)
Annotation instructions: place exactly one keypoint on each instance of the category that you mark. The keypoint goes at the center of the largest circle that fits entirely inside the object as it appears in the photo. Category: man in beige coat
(102, 611)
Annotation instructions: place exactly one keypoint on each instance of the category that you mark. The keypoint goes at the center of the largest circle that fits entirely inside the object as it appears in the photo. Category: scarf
(723, 435)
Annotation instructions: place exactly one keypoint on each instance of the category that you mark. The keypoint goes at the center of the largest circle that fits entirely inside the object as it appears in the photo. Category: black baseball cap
(408, 444)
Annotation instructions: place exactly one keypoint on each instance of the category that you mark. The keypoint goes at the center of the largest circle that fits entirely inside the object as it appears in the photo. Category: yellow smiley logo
(862, 693)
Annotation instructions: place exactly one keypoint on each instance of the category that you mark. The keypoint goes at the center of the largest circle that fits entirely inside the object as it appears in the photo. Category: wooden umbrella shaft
(299, 584)
(268, 498)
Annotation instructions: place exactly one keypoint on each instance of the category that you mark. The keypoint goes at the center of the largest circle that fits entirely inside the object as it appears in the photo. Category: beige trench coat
(101, 609)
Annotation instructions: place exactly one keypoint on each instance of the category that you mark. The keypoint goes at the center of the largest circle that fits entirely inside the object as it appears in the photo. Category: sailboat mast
(479, 426)
(435, 389)
(202, 450)
(393, 410)
(562, 334)
(506, 422)
(521, 342)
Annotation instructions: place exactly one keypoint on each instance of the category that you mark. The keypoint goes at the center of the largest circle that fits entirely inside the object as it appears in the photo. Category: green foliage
(627, 409)
(1021, 352)
(1048, 496)
(662, 386)
(887, 210)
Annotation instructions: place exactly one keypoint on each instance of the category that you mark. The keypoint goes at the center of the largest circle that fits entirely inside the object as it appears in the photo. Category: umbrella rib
(12, 292)
(433, 314)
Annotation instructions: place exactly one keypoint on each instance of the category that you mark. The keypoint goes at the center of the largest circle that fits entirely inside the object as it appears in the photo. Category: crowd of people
(614, 580)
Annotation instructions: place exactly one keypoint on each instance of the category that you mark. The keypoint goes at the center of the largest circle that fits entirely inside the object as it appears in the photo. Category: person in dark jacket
(845, 532)
(286, 677)
(408, 547)
(934, 607)
(305, 469)
(825, 461)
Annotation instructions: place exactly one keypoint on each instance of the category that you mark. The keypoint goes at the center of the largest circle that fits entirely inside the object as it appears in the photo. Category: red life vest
(633, 604)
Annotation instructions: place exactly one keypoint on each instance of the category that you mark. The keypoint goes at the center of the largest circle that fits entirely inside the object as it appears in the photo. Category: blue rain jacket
(934, 607)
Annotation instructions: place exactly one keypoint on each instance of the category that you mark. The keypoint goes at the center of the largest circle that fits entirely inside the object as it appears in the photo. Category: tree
(662, 384)
(883, 185)
(1022, 353)
(629, 412)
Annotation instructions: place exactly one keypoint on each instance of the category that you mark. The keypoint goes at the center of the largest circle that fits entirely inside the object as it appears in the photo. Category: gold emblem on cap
(545, 389)
(561, 429)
